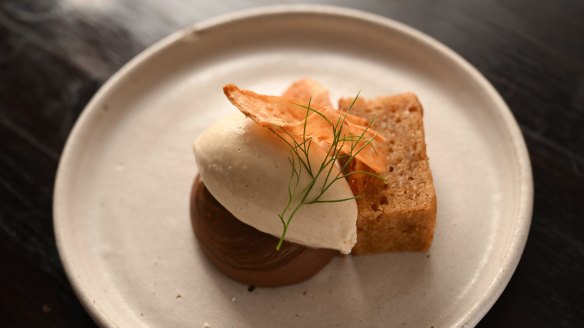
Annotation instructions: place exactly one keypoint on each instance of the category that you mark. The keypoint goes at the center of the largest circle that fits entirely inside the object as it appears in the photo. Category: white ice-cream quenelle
(246, 168)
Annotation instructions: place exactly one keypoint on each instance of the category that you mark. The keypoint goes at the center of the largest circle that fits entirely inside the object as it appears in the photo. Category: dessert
(400, 213)
(246, 168)
(244, 253)
(293, 181)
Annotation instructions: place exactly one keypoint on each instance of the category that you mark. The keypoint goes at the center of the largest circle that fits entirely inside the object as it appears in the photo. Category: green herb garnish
(300, 164)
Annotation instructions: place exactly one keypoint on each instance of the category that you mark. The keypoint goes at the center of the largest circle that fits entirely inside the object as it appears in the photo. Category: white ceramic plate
(121, 198)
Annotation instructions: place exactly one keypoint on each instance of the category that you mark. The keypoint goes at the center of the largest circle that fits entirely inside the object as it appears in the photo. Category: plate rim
(524, 204)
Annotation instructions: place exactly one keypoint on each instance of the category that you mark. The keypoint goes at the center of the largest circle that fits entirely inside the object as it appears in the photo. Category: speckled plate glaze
(121, 197)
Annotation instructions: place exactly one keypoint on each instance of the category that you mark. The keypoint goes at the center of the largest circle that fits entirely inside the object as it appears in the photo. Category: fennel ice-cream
(246, 168)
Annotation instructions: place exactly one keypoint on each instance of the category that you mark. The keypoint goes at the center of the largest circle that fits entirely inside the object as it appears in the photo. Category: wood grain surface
(54, 55)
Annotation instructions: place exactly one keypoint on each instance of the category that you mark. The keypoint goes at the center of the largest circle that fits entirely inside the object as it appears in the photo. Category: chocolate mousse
(246, 254)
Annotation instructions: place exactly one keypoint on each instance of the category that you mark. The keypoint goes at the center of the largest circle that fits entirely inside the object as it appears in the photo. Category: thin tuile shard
(287, 116)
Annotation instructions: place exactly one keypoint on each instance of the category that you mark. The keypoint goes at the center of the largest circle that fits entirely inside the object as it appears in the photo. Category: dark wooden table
(54, 55)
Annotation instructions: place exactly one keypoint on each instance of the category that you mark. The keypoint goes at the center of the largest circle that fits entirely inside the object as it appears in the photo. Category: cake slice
(400, 213)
